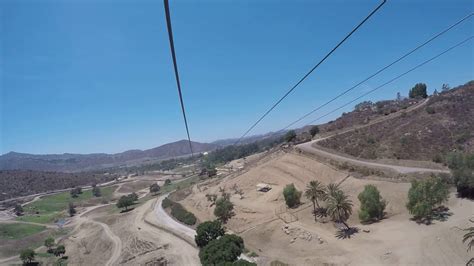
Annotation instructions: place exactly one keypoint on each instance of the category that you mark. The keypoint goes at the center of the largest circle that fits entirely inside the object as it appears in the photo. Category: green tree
(133, 197)
(339, 207)
(154, 188)
(27, 255)
(18, 210)
(290, 136)
(419, 90)
(124, 202)
(314, 130)
(292, 195)
(224, 209)
(225, 249)
(96, 191)
(49, 243)
(59, 251)
(208, 231)
(72, 209)
(332, 189)
(469, 236)
(372, 205)
(74, 193)
(314, 191)
(462, 170)
(425, 195)
(167, 182)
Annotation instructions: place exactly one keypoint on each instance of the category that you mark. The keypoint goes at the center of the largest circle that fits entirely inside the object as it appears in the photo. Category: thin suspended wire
(175, 64)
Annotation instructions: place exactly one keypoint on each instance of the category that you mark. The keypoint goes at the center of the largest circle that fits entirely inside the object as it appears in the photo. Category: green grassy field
(17, 231)
(53, 207)
(180, 184)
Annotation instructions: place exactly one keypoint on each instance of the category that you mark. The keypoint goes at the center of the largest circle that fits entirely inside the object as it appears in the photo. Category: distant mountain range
(80, 162)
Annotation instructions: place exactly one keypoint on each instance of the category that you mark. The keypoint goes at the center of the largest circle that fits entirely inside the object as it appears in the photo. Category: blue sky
(86, 76)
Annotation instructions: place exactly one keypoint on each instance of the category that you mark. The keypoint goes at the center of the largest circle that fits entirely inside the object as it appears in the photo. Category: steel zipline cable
(382, 69)
(395, 78)
(310, 71)
(173, 54)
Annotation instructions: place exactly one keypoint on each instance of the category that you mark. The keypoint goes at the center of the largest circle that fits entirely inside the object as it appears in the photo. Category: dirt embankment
(292, 236)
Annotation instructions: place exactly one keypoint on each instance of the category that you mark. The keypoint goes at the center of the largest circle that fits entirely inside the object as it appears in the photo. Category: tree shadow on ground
(127, 210)
(345, 233)
(440, 214)
(320, 212)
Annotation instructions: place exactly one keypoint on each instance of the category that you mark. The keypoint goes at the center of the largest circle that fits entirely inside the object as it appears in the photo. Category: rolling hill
(81, 162)
(444, 124)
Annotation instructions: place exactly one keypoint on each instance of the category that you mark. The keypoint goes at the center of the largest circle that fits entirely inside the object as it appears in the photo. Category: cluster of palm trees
(338, 205)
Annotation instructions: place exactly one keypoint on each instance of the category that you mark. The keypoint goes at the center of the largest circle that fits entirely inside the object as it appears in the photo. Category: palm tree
(332, 189)
(469, 236)
(314, 191)
(339, 207)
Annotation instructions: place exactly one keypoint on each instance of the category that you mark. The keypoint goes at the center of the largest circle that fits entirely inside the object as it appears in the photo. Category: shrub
(224, 209)
(430, 110)
(208, 231)
(225, 249)
(425, 195)
(125, 202)
(372, 205)
(314, 130)
(166, 203)
(292, 196)
(27, 255)
(462, 170)
(290, 136)
(167, 182)
(182, 215)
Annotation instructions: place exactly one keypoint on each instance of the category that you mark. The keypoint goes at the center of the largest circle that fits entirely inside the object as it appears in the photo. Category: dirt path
(115, 239)
(311, 147)
(165, 220)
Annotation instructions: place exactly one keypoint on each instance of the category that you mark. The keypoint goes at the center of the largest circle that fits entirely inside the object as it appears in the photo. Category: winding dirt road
(311, 147)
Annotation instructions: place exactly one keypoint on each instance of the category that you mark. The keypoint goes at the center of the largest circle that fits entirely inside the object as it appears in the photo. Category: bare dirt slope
(260, 218)
(445, 124)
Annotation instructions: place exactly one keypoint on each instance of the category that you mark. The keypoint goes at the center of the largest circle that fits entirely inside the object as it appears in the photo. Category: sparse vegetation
(17, 231)
(292, 196)
(314, 130)
(52, 207)
(425, 195)
(18, 210)
(27, 256)
(96, 191)
(372, 205)
(462, 170)
(290, 136)
(224, 208)
(49, 244)
(208, 231)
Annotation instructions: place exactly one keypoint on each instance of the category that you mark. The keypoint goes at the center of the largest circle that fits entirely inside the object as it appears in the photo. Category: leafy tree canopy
(208, 231)
(419, 90)
(372, 205)
(292, 195)
(425, 195)
(223, 250)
